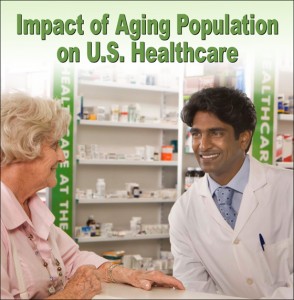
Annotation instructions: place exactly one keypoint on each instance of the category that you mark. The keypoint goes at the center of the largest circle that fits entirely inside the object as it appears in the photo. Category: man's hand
(146, 279)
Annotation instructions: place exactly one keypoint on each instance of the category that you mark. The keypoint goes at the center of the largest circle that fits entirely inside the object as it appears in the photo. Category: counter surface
(123, 291)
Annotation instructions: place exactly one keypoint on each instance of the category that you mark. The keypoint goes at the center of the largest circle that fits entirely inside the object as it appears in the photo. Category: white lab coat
(212, 257)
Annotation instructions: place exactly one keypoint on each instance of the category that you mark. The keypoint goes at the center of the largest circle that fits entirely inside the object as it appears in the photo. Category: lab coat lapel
(257, 179)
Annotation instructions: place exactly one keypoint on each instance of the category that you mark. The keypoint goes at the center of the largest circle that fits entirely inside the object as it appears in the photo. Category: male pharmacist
(232, 231)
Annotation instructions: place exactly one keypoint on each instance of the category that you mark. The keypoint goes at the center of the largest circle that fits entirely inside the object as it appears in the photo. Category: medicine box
(287, 155)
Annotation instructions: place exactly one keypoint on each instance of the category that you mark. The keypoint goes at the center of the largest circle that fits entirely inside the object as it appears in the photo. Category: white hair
(26, 122)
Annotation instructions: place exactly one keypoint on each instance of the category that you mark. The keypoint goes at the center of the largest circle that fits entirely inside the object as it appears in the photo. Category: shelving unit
(155, 103)
(285, 117)
(286, 165)
(284, 86)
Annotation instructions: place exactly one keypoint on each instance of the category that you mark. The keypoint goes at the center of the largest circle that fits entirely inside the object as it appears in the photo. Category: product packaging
(287, 148)
(286, 106)
(100, 188)
(114, 256)
(149, 153)
(124, 114)
(114, 113)
(100, 113)
(133, 189)
(140, 153)
(132, 113)
(279, 147)
(106, 229)
(174, 143)
(136, 225)
(167, 152)
(281, 104)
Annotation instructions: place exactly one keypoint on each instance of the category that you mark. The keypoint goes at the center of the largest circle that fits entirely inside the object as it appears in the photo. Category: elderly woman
(38, 259)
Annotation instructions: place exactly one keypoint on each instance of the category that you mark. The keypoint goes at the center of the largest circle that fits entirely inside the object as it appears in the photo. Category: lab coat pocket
(278, 260)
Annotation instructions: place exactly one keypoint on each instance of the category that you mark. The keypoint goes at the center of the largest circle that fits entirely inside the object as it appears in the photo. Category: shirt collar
(13, 215)
(238, 182)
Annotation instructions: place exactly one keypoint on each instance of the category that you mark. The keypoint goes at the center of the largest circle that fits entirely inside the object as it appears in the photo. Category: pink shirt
(50, 242)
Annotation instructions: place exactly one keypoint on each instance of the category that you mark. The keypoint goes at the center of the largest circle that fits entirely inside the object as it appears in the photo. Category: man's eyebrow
(193, 129)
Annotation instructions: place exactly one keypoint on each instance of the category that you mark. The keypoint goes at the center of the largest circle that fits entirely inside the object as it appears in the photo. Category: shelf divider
(139, 87)
(117, 162)
(96, 239)
(160, 125)
(124, 200)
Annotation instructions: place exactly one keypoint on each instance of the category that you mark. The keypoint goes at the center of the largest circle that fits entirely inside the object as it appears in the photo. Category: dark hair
(230, 105)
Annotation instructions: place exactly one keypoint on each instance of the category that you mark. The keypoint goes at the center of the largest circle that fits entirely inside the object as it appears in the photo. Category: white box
(287, 155)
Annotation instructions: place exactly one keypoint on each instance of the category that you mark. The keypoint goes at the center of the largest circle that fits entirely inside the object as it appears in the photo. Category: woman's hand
(84, 284)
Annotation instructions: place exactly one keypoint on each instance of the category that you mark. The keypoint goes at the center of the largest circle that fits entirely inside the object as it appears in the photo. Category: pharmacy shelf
(155, 102)
(125, 162)
(96, 239)
(285, 117)
(124, 200)
(166, 125)
(139, 87)
(287, 165)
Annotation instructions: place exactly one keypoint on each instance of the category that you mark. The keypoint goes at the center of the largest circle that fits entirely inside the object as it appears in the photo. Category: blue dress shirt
(238, 183)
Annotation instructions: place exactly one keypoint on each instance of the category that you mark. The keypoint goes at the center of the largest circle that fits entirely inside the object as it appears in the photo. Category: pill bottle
(198, 173)
(124, 114)
(97, 229)
(92, 224)
(91, 220)
(280, 104)
(156, 156)
(136, 192)
(132, 113)
(114, 113)
(189, 177)
(100, 188)
(286, 106)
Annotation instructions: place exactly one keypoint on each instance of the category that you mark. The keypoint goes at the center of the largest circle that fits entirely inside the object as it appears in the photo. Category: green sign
(62, 193)
(264, 101)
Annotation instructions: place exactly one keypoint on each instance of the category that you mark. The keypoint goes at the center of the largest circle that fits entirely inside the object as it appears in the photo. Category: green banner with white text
(264, 101)
(62, 193)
